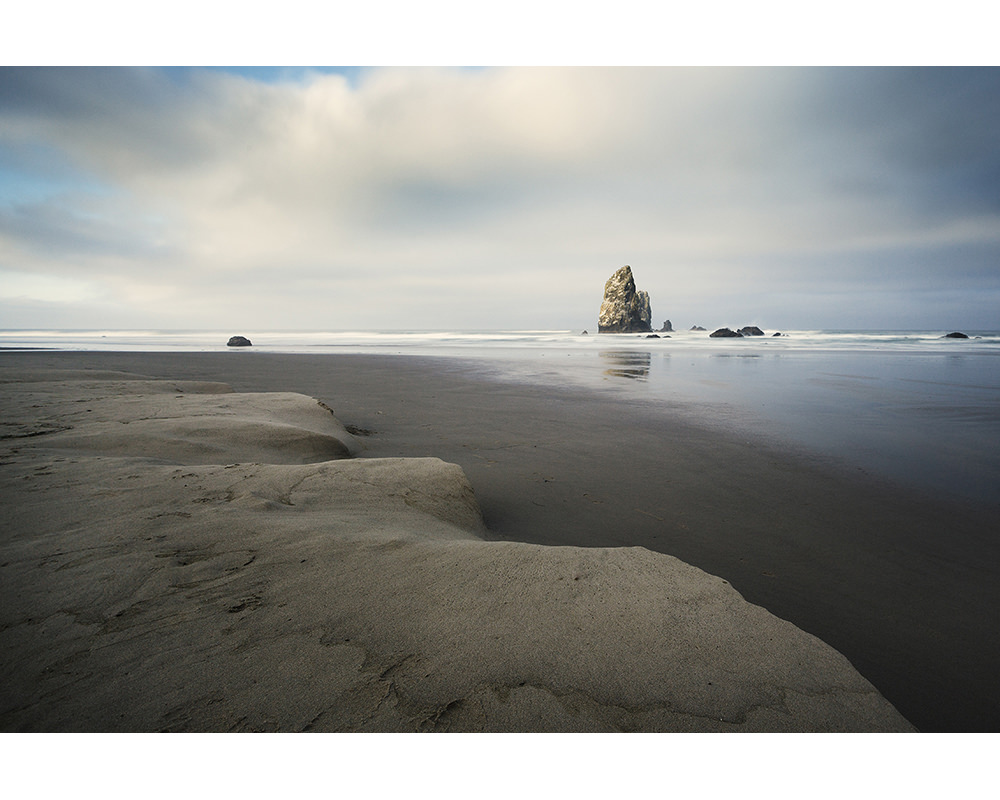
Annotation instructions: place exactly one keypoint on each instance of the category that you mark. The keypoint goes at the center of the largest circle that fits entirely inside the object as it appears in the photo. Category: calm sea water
(909, 406)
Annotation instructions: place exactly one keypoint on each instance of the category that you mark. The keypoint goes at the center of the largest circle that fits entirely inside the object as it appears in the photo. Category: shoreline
(867, 568)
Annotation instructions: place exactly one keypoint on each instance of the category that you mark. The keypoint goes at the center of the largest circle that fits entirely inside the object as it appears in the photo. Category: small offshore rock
(667, 327)
(725, 333)
(955, 335)
(751, 330)
(239, 341)
(585, 333)
(653, 336)
(778, 333)
(696, 328)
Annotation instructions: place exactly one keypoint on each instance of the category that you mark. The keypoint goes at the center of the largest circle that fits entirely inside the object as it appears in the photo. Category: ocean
(910, 407)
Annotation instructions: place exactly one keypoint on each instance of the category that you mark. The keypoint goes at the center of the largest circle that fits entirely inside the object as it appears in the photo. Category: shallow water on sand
(910, 406)
(926, 420)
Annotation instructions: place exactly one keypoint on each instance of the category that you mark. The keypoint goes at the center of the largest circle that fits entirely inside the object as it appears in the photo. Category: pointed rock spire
(624, 310)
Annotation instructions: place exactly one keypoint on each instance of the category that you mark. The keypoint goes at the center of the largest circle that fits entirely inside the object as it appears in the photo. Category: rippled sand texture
(177, 556)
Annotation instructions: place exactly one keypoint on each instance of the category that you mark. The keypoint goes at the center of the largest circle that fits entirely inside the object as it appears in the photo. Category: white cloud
(485, 198)
(47, 288)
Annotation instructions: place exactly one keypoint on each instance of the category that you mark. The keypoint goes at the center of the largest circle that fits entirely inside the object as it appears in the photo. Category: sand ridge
(177, 556)
(186, 422)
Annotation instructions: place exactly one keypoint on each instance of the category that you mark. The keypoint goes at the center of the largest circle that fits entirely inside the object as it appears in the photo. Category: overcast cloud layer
(499, 198)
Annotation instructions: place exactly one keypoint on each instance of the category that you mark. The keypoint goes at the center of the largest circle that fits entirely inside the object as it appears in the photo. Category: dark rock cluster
(726, 333)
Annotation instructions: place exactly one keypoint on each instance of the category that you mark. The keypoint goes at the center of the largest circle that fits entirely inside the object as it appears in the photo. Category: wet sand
(905, 586)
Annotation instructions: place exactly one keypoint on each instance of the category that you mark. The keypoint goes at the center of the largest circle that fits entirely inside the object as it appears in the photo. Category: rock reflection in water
(626, 364)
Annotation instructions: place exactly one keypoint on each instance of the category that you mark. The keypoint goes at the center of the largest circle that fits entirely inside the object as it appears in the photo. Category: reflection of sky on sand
(626, 364)
(926, 420)
(913, 406)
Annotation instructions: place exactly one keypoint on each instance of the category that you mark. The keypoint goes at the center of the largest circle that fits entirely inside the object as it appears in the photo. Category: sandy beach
(193, 542)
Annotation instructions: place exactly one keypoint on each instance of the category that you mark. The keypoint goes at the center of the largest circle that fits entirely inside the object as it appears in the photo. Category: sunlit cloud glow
(496, 198)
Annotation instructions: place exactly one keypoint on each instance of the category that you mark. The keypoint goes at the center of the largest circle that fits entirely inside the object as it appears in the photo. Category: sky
(251, 199)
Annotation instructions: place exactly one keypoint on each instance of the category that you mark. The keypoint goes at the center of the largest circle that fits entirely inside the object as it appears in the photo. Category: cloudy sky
(391, 198)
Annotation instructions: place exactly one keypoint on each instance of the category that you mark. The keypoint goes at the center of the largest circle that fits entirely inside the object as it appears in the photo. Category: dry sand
(177, 556)
(905, 585)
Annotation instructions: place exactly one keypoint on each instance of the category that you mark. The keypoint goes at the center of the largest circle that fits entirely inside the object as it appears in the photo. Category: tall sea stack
(624, 309)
